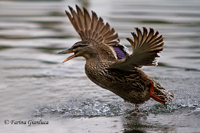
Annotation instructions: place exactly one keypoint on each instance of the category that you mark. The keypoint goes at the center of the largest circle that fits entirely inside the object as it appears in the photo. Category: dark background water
(36, 85)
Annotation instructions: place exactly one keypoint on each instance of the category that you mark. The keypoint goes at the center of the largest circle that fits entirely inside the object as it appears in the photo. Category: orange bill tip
(69, 58)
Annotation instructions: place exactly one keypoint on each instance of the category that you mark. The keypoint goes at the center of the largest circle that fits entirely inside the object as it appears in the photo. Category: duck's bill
(69, 58)
(68, 51)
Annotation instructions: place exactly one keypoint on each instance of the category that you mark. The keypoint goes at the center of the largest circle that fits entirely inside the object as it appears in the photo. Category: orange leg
(157, 98)
(137, 108)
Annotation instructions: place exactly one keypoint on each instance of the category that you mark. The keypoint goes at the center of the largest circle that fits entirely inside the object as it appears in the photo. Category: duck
(109, 64)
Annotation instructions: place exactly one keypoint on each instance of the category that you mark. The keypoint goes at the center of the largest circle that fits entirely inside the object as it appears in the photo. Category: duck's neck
(92, 61)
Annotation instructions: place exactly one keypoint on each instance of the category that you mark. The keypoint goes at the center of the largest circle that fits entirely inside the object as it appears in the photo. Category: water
(35, 84)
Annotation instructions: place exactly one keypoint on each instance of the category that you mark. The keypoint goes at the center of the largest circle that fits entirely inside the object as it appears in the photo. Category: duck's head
(82, 48)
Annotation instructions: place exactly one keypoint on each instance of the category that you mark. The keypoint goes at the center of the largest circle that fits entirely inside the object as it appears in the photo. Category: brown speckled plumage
(110, 66)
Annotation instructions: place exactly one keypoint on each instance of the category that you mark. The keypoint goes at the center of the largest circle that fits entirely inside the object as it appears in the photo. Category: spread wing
(145, 46)
(92, 28)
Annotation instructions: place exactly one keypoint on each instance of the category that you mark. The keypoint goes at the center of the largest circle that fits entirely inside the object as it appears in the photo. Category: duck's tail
(158, 93)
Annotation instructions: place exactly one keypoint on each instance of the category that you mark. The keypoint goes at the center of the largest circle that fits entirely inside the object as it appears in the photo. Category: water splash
(97, 108)
(83, 108)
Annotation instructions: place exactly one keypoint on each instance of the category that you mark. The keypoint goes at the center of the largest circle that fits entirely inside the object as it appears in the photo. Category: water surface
(36, 85)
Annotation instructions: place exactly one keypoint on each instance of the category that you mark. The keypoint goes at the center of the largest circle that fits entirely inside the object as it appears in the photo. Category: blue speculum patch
(120, 52)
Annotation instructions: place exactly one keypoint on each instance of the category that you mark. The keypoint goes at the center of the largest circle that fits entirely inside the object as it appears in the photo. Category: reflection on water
(35, 84)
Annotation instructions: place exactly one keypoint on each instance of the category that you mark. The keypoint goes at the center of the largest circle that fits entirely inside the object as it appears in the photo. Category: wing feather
(81, 18)
(105, 29)
(146, 47)
(72, 21)
(140, 37)
(87, 19)
(94, 21)
(150, 35)
(145, 32)
(92, 28)
(76, 20)
(135, 39)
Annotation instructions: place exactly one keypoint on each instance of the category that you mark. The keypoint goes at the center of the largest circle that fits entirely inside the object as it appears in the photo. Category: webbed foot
(158, 98)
